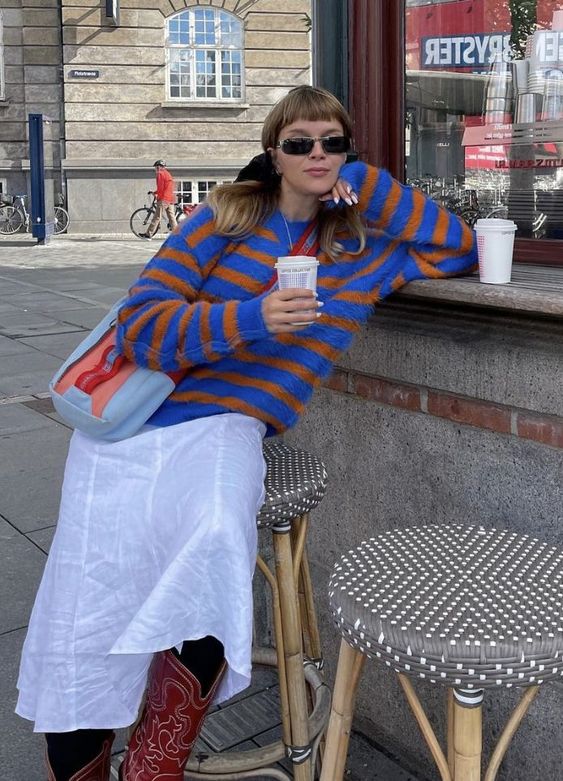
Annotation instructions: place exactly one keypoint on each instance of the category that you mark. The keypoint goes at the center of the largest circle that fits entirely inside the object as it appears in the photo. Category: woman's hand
(285, 311)
(342, 189)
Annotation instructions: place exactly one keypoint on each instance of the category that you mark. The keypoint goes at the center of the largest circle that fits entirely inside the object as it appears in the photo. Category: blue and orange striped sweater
(197, 304)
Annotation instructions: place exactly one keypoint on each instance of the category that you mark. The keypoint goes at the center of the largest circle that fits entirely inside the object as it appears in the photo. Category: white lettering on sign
(84, 74)
(549, 45)
(462, 51)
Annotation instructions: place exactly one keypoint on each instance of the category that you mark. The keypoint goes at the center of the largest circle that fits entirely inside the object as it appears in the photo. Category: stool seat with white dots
(295, 483)
(464, 606)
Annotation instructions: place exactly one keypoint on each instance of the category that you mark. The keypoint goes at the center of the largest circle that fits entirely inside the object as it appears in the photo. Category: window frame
(377, 101)
(195, 191)
(193, 48)
(2, 64)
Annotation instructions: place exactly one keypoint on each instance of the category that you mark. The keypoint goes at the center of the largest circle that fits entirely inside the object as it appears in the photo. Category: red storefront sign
(467, 35)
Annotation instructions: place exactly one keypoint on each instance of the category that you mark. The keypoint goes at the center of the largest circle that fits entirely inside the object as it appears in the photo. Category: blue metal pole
(40, 228)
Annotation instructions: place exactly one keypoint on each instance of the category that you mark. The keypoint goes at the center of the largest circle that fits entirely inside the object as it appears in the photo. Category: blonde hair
(238, 208)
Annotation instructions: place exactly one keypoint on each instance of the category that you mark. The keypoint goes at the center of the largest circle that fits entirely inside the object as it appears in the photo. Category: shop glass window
(484, 109)
(2, 83)
(205, 55)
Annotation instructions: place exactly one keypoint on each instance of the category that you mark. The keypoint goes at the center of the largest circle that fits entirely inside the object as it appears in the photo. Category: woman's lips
(317, 171)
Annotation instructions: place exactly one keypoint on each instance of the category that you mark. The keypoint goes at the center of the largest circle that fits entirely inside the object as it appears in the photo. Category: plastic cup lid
(495, 223)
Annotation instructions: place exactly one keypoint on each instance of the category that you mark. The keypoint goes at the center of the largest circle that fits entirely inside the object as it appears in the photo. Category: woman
(156, 541)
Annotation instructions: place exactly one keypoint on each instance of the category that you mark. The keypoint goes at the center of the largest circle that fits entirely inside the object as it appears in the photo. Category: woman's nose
(317, 150)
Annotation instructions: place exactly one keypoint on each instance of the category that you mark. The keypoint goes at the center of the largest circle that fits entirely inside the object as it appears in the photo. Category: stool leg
(289, 608)
(508, 732)
(311, 634)
(350, 665)
(450, 728)
(425, 727)
(468, 705)
(278, 634)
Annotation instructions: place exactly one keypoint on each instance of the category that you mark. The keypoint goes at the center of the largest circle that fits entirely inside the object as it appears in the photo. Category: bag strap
(308, 244)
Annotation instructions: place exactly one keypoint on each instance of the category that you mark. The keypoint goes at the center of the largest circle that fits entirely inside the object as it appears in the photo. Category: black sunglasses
(302, 145)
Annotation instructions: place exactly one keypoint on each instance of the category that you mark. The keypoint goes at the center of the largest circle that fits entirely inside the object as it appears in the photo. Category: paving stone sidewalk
(50, 297)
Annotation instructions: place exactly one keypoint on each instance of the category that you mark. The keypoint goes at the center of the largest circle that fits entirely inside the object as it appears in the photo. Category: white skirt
(155, 544)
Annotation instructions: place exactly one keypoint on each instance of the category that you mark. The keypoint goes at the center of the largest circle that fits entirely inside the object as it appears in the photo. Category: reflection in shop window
(205, 55)
(484, 109)
(2, 82)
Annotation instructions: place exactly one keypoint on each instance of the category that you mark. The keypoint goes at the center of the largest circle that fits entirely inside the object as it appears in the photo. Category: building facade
(126, 83)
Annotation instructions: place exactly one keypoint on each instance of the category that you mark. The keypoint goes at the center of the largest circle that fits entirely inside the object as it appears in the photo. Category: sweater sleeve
(438, 243)
(162, 325)
(160, 185)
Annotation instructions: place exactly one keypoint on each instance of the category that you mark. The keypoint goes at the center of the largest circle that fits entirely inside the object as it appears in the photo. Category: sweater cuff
(250, 321)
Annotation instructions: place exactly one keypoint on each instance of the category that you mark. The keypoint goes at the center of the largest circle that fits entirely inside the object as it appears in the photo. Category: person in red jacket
(165, 199)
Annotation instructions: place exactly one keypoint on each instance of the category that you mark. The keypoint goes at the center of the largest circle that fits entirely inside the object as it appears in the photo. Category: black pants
(69, 752)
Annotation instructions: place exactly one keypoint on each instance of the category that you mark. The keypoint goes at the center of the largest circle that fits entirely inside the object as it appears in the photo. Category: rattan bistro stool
(463, 606)
(295, 483)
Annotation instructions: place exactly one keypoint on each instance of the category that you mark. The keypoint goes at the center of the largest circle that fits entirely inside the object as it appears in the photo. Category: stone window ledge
(534, 289)
(212, 105)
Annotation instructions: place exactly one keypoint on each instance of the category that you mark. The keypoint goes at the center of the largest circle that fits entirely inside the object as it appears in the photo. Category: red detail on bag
(177, 375)
(101, 372)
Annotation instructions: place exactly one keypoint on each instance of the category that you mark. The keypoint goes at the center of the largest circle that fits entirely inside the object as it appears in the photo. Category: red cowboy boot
(96, 770)
(172, 718)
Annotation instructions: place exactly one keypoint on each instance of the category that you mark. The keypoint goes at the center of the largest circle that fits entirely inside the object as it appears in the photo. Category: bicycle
(14, 215)
(141, 218)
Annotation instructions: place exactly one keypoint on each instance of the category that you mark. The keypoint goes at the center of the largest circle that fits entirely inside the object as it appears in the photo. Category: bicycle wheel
(61, 219)
(11, 219)
(139, 220)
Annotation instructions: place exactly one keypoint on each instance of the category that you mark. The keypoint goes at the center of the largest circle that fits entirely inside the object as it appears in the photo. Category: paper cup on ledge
(297, 271)
(495, 245)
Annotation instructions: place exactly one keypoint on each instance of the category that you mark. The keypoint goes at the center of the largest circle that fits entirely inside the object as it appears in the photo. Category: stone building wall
(116, 124)
(33, 83)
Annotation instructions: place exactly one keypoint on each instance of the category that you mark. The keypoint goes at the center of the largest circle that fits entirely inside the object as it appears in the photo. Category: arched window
(205, 55)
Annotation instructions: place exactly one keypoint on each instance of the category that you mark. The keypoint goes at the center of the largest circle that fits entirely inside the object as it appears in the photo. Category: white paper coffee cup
(495, 245)
(297, 271)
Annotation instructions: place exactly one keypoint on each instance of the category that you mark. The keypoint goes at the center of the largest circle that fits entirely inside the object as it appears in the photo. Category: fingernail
(336, 199)
(355, 198)
(348, 189)
(320, 303)
(348, 201)
(319, 314)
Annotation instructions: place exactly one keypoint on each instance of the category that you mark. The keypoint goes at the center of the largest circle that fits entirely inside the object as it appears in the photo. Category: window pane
(204, 27)
(230, 74)
(178, 30)
(184, 191)
(180, 76)
(230, 30)
(203, 189)
(484, 109)
(205, 74)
